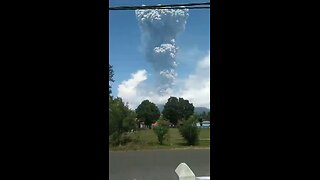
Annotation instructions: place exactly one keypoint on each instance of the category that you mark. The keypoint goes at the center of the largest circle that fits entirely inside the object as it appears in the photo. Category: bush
(121, 121)
(180, 122)
(161, 130)
(189, 131)
(117, 139)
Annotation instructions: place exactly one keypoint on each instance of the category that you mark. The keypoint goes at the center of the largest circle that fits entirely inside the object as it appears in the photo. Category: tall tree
(177, 109)
(111, 74)
(148, 112)
(186, 109)
(171, 110)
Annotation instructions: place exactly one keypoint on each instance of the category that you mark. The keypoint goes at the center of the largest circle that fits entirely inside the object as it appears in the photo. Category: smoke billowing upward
(159, 30)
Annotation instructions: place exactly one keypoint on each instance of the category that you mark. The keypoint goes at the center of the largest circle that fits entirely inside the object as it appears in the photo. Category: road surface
(157, 164)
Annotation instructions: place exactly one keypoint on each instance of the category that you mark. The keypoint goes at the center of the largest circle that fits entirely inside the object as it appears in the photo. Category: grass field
(146, 139)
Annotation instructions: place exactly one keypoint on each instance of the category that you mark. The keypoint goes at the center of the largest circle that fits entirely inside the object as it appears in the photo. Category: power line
(168, 6)
(201, 7)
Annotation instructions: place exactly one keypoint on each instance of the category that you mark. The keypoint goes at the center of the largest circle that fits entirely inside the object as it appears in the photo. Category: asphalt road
(157, 164)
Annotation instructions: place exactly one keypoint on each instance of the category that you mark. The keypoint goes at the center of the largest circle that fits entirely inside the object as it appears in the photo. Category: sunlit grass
(147, 139)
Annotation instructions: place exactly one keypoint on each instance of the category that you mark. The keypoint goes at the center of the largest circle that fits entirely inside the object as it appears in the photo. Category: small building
(204, 124)
(155, 124)
(142, 125)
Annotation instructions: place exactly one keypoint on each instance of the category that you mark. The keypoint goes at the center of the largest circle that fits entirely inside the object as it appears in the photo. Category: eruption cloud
(159, 29)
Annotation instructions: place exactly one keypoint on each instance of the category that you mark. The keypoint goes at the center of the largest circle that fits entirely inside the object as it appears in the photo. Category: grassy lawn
(147, 139)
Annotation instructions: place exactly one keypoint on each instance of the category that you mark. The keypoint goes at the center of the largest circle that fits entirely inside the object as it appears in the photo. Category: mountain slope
(197, 110)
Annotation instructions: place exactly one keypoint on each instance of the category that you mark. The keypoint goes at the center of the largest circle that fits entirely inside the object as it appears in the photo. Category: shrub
(180, 122)
(117, 139)
(161, 130)
(189, 131)
(121, 121)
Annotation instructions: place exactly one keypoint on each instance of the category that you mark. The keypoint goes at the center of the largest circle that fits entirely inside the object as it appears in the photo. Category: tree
(121, 119)
(202, 117)
(148, 112)
(198, 117)
(111, 74)
(161, 130)
(186, 109)
(208, 116)
(189, 131)
(177, 109)
(171, 110)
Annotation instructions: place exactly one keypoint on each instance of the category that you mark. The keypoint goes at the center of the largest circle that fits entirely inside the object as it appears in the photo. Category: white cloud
(134, 91)
(128, 90)
(195, 88)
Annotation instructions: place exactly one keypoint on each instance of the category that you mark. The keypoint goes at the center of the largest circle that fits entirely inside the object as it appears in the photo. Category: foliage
(111, 74)
(170, 110)
(161, 130)
(186, 109)
(189, 131)
(177, 109)
(148, 112)
(198, 117)
(204, 116)
(121, 120)
(147, 139)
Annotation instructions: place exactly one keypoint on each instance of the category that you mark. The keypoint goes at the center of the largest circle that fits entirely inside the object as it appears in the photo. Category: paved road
(157, 164)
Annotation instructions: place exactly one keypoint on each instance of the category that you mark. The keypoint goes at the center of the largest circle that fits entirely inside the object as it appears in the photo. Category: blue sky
(126, 53)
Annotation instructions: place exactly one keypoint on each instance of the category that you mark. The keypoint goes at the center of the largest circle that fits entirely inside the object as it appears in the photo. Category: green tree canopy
(177, 109)
(186, 109)
(170, 110)
(148, 112)
(121, 119)
(111, 74)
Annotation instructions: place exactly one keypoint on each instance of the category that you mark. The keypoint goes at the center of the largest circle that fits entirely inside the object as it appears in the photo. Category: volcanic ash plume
(159, 30)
